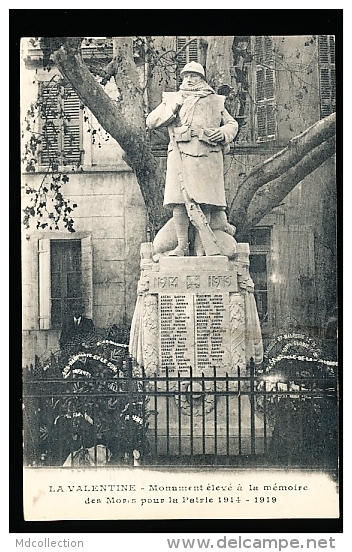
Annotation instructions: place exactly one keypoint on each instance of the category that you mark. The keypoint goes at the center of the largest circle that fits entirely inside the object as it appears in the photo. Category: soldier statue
(200, 131)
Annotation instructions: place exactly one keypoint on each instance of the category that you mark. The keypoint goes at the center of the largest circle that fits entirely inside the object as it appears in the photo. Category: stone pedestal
(194, 317)
(196, 328)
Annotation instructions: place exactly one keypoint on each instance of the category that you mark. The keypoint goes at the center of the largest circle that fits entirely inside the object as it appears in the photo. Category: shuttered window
(195, 51)
(60, 125)
(190, 53)
(265, 115)
(327, 75)
(65, 276)
(263, 49)
(239, 101)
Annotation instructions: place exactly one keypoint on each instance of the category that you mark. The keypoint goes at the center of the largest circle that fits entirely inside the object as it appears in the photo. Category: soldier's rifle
(194, 211)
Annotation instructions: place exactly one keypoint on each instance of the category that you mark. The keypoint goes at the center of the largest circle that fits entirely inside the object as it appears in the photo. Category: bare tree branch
(278, 164)
(273, 193)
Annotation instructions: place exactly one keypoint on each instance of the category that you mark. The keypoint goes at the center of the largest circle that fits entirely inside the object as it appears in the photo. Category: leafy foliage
(300, 400)
(46, 123)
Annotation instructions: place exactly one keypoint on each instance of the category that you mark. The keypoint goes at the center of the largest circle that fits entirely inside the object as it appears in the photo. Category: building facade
(276, 87)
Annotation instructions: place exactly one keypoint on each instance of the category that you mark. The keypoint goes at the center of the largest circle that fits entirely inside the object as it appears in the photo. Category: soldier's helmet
(193, 67)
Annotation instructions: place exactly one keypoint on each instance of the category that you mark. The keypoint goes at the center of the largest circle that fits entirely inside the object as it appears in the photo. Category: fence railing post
(227, 406)
(252, 404)
(239, 411)
(131, 439)
(179, 414)
(191, 409)
(215, 418)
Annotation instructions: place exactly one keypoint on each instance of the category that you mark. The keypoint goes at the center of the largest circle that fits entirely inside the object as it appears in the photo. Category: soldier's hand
(217, 135)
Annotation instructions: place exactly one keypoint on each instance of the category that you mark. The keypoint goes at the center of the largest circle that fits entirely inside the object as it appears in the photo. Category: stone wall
(111, 210)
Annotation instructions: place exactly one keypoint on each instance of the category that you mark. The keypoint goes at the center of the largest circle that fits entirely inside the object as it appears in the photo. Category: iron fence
(252, 419)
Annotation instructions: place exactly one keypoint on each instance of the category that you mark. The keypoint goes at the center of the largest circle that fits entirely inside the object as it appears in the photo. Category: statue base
(196, 328)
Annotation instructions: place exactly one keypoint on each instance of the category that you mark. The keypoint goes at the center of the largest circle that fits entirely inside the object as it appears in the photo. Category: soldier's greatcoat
(202, 160)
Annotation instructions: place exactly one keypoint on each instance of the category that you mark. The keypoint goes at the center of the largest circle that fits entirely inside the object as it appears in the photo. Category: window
(241, 105)
(258, 271)
(65, 272)
(60, 125)
(65, 275)
(265, 117)
(195, 51)
(259, 241)
(253, 82)
(327, 76)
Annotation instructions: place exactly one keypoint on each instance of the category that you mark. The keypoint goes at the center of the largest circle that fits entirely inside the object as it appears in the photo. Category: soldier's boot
(181, 222)
(219, 222)
(198, 246)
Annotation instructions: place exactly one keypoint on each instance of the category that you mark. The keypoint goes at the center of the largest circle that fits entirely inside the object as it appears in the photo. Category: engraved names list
(176, 332)
(194, 330)
(212, 327)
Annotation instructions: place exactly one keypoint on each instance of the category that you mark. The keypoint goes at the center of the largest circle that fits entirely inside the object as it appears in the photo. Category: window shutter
(49, 122)
(71, 127)
(195, 51)
(263, 49)
(269, 84)
(180, 42)
(191, 53)
(260, 85)
(44, 283)
(266, 122)
(327, 75)
(333, 88)
(258, 49)
(264, 88)
(332, 49)
(261, 122)
(270, 121)
(61, 125)
(268, 49)
(87, 275)
(323, 49)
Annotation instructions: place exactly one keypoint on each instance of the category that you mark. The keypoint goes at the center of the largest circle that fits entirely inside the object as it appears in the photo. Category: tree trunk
(122, 119)
(266, 185)
(219, 60)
